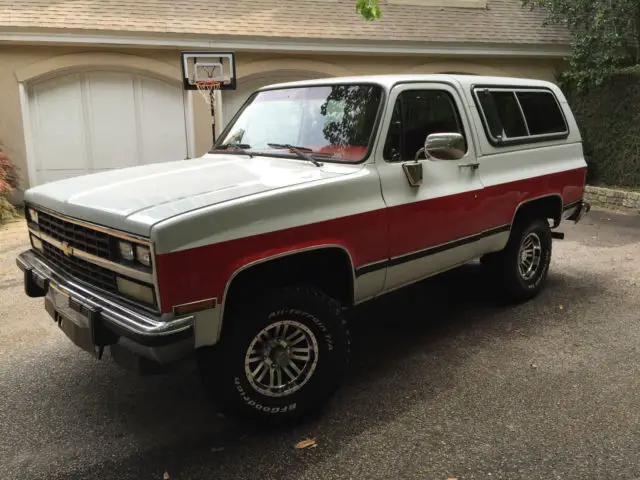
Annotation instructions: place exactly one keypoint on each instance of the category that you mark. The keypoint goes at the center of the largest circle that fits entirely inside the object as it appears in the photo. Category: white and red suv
(318, 196)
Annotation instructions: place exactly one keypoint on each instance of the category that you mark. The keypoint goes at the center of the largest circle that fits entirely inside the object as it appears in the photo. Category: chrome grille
(80, 237)
(82, 270)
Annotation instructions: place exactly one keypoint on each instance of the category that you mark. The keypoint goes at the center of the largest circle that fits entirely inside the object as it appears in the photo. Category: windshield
(333, 122)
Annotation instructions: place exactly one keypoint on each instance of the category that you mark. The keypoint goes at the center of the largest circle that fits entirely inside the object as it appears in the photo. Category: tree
(605, 36)
(369, 9)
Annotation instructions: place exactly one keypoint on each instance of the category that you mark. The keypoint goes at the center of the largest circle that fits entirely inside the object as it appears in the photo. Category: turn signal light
(194, 307)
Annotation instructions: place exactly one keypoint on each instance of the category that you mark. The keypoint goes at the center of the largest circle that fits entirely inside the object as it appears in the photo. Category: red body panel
(203, 272)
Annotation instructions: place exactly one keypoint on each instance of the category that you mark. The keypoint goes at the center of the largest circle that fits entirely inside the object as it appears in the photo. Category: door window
(416, 115)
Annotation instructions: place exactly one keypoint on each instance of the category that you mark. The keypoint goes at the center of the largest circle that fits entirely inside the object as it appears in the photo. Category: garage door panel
(113, 127)
(58, 124)
(162, 113)
(94, 121)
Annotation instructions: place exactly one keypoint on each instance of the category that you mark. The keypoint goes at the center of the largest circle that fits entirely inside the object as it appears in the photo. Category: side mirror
(445, 146)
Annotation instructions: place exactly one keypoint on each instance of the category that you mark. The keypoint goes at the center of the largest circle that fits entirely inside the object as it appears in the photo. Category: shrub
(8, 183)
(609, 121)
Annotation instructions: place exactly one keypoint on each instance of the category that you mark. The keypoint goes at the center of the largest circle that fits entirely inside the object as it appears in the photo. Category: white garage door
(90, 122)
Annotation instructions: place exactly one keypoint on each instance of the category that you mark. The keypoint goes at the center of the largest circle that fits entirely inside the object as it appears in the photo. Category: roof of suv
(388, 81)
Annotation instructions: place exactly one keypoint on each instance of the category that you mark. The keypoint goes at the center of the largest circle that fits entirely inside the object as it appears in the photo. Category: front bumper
(93, 321)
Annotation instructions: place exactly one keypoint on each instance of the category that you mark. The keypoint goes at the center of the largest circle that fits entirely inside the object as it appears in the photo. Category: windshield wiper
(241, 148)
(301, 152)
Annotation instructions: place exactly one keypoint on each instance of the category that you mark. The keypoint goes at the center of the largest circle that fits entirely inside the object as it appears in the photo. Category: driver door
(429, 224)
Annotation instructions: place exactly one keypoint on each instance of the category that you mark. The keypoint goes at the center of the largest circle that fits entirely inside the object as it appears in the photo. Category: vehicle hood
(134, 199)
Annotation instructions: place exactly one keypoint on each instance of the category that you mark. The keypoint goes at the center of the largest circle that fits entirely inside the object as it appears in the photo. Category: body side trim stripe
(409, 257)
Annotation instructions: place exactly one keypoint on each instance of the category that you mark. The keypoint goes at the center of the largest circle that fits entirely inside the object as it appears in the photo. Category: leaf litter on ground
(308, 443)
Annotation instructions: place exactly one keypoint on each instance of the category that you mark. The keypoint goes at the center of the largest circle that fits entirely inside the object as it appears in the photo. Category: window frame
(528, 139)
(412, 88)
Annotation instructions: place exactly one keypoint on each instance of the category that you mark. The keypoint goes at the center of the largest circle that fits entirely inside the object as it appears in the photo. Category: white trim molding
(27, 134)
(60, 64)
(261, 44)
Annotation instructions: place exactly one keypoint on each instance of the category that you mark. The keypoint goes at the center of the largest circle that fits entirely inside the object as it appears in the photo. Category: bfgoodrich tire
(279, 360)
(523, 266)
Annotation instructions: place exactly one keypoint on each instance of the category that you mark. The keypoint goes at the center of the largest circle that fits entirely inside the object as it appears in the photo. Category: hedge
(609, 120)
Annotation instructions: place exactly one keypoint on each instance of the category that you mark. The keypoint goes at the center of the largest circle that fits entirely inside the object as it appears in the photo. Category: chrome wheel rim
(530, 256)
(281, 359)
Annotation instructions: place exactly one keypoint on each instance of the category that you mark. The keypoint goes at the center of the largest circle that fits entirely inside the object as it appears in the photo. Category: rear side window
(503, 114)
(542, 113)
(521, 116)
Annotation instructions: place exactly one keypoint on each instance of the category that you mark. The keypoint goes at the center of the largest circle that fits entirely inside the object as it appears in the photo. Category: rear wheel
(280, 359)
(523, 266)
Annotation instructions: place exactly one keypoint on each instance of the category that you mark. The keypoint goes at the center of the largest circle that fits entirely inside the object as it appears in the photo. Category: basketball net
(207, 90)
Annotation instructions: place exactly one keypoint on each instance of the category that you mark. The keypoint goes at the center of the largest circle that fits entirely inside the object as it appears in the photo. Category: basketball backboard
(214, 66)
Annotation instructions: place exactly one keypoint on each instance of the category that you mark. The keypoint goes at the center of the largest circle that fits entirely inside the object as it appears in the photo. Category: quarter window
(542, 113)
(503, 114)
(524, 115)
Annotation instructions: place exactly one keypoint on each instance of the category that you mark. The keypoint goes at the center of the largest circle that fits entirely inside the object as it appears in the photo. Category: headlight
(135, 290)
(143, 255)
(33, 215)
(126, 251)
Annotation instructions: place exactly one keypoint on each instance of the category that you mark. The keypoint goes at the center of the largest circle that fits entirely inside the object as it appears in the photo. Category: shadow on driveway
(409, 348)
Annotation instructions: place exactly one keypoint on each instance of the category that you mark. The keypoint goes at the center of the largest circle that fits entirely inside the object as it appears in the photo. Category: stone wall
(612, 198)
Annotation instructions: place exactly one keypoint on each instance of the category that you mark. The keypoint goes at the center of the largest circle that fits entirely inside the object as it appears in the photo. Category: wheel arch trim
(278, 256)
(554, 195)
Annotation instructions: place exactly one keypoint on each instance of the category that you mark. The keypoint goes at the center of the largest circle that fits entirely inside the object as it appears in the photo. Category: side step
(557, 235)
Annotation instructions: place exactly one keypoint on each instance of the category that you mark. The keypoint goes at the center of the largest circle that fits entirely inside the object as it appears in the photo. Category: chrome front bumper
(93, 321)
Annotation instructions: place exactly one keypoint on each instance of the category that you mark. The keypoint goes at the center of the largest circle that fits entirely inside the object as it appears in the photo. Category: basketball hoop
(209, 73)
(206, 89)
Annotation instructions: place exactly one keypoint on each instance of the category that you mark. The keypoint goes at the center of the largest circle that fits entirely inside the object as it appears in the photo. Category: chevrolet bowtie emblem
(67, 249)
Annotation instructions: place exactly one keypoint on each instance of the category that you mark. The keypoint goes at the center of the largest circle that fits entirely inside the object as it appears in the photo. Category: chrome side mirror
(445, 146)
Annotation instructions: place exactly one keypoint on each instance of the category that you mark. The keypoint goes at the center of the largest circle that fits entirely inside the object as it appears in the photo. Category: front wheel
(523, 266)
(280, 359)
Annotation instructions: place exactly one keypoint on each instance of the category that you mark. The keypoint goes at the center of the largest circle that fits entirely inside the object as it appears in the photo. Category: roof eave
(278, 44)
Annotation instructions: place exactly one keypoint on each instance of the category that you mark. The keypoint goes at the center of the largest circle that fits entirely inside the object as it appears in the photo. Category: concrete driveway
(445, 383)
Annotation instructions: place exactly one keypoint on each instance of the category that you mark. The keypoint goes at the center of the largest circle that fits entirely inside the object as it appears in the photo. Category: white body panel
(91, 122)
(510, 163)
(135, 199)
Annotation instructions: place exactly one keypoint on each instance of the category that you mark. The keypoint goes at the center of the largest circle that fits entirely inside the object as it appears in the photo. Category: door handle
(472, 166)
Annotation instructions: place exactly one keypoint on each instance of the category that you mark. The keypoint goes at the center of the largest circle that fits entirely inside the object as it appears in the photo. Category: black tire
(222, 367)
(504, 266)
